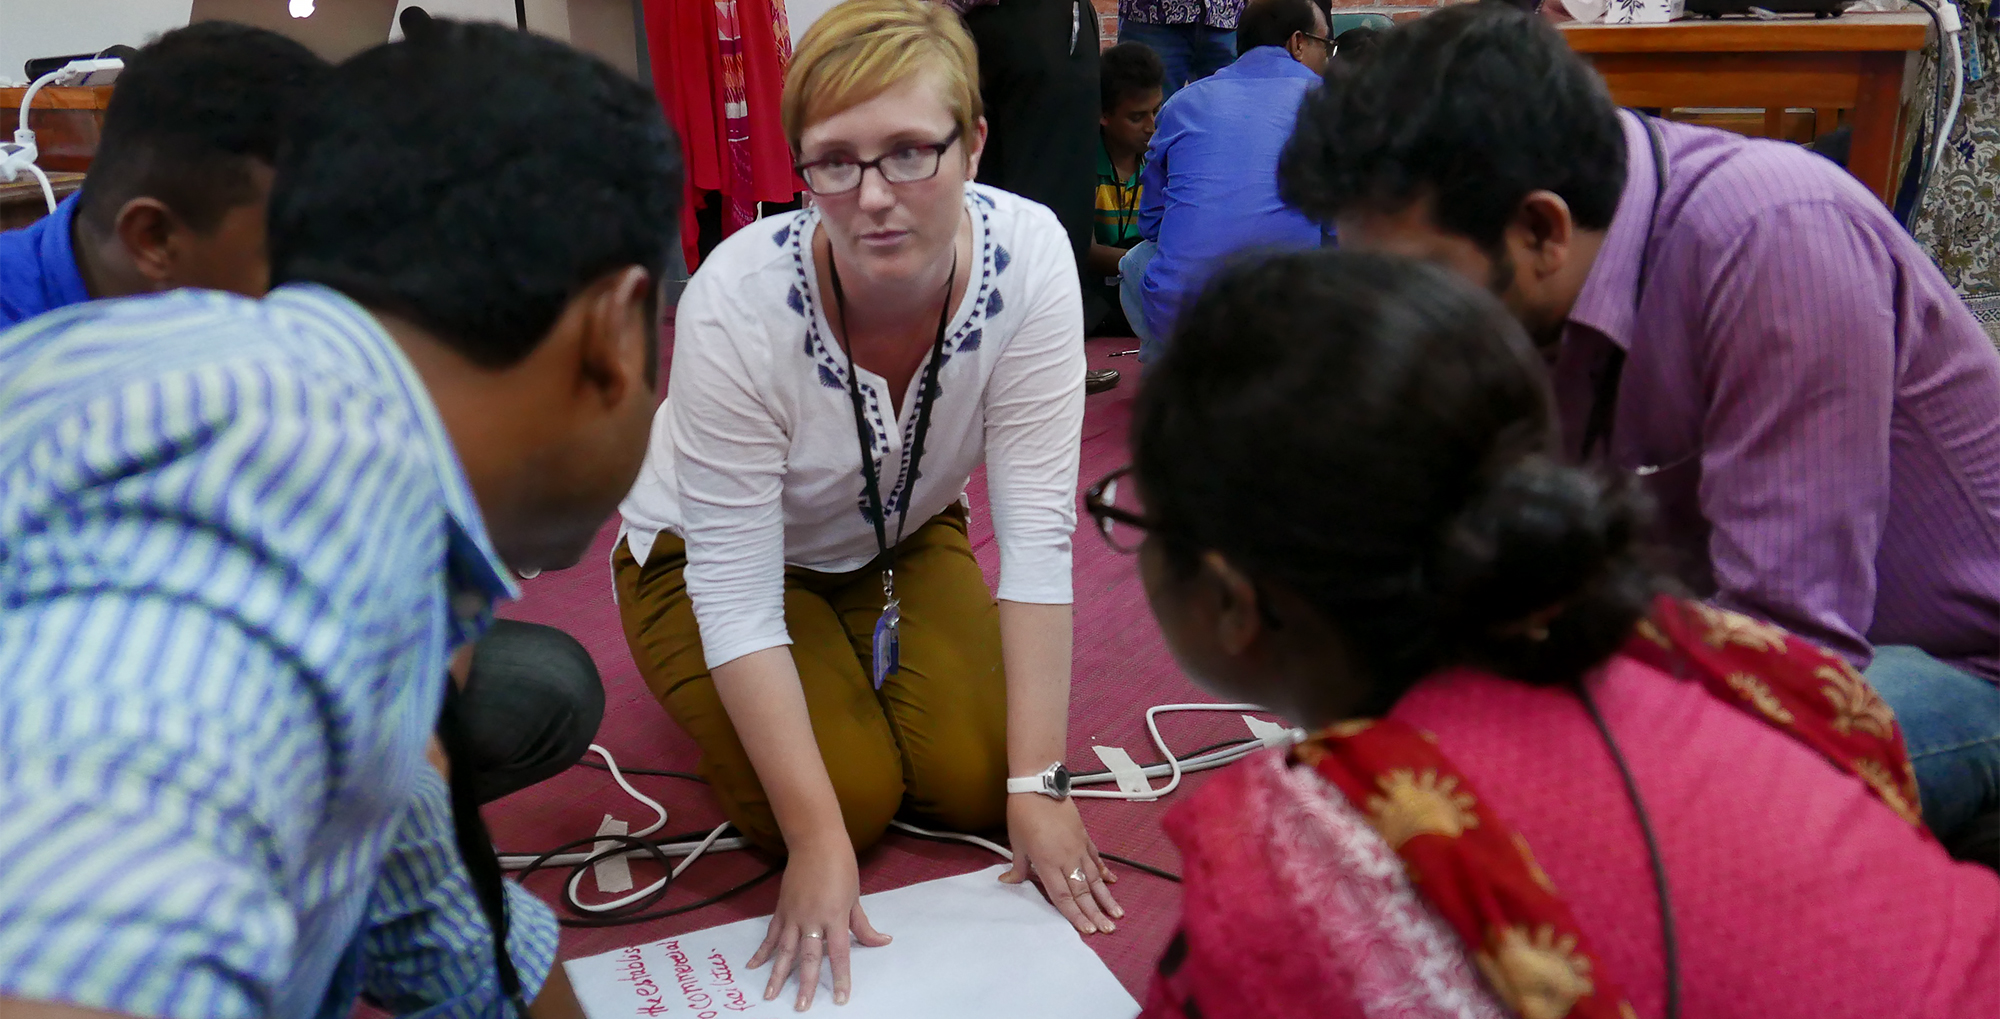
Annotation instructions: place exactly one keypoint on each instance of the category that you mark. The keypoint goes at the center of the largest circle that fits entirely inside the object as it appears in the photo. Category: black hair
(1272, 22)
(473, 179)
(1350, 46)
(1373, 434)
(415, 21)
(1126, 70)
(1474, 107)
(192, 110)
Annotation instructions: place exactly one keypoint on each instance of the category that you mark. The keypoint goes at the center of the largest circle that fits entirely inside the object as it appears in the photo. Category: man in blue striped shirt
(239, 540)
(177, 196)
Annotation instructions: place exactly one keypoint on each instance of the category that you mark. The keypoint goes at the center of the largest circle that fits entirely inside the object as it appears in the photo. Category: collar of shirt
(1107, 172)
(478, 577)
(38, 272)
(1267, 62)
(1606, 303)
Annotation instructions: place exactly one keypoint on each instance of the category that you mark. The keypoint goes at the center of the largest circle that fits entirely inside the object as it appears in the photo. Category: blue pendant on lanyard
(888, 645)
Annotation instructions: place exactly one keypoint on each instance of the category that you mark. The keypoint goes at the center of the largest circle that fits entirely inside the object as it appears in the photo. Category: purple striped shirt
(1816, 412)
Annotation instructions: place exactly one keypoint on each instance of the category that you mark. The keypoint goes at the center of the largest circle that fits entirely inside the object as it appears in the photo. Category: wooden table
(67, 122)
(1858, 62)
(22, 201)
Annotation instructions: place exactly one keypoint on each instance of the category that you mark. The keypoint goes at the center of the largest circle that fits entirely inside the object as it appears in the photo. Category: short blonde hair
(863, 48)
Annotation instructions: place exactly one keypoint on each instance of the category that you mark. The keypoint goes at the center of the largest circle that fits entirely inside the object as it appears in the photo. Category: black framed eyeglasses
(905, 164)
(1115, 508)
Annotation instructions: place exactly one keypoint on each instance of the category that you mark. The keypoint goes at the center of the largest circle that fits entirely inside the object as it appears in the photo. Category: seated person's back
(1814, 412)
(243, 538)
(1416, 580)
(1210, 182)
(1771, 854)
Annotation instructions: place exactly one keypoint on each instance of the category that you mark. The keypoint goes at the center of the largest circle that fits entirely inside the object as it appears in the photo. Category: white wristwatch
(1053, 783)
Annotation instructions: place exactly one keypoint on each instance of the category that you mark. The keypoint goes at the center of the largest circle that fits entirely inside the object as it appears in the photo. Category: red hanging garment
(719, 70)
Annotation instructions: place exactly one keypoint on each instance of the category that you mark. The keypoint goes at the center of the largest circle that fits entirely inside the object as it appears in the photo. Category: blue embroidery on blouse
(797, 300)
(782, 235)
(832, 373)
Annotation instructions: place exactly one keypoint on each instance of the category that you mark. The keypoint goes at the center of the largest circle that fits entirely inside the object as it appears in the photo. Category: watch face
(1059, 780)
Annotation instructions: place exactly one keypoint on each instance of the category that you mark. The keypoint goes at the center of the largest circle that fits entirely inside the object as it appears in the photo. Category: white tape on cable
(1273, 734)
(1125, 771)
(614, 873)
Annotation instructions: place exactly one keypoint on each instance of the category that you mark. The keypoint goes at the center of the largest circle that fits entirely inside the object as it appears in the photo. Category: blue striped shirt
(236, 550)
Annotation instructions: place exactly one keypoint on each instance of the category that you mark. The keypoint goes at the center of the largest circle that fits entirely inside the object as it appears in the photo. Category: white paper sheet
(966, 947)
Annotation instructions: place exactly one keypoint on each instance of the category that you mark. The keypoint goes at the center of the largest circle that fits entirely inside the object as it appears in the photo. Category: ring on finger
(816, 934)
(1077, 874)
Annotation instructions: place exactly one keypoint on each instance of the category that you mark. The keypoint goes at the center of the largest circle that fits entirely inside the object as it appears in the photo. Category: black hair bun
(1541, 575)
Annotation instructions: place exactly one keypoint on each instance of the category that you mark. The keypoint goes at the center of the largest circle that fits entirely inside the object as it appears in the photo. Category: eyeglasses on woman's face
(1113, 503)
(905, 164)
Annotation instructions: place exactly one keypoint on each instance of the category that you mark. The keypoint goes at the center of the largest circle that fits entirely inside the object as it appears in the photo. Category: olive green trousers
(931, 744)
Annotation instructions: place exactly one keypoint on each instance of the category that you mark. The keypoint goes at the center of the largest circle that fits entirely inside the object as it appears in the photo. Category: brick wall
(1107, 21)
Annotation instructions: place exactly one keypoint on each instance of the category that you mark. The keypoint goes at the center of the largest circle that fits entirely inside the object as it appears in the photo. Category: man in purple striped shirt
(1737, 322)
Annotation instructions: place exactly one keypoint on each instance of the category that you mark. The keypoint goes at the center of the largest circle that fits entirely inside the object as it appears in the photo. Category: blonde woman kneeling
(933, 323)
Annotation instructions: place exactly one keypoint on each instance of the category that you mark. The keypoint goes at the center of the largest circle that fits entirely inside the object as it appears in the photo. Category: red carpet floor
(1121, 668)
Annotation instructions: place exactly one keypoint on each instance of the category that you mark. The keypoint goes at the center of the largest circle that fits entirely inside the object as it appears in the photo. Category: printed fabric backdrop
(1960, 221)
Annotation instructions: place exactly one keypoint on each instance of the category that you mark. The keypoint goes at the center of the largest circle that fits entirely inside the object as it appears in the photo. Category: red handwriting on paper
(707, 995)
(724, 983)
(632, 970)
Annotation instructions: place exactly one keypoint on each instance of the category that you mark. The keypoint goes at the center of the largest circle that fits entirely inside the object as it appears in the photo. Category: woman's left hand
(1048, 838)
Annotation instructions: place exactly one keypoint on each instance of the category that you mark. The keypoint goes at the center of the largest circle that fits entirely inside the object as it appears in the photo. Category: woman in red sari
(1537, 785)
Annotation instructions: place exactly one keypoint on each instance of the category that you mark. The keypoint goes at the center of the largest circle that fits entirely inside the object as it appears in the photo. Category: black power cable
(635, 912)
(1147, 867)
(655, 772)
(1134, 864)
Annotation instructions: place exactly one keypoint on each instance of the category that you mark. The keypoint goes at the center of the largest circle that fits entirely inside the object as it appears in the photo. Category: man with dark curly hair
(1736, 320)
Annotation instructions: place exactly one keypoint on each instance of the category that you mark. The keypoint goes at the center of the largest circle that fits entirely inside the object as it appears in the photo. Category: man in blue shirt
(176, 192)
(239, 540)
(1210, 186)
(176, 197)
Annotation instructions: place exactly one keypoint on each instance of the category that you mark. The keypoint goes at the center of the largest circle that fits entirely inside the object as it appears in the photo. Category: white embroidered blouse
(755, 460)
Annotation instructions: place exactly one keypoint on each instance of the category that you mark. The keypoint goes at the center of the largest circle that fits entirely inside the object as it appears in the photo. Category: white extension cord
(20, 155)
(1944, 13)
(1263, 734)
(1174, 766)
(690, 851)
(1953, 27)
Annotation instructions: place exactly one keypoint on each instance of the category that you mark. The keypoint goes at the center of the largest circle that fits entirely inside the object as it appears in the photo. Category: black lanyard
(926, 396)
(1604, 402)
(475, 846)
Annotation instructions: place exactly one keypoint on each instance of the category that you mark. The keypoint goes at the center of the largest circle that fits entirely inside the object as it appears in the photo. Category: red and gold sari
(1477, 875)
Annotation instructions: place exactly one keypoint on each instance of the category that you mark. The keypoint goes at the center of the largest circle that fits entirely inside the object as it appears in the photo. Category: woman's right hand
(819, 917)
